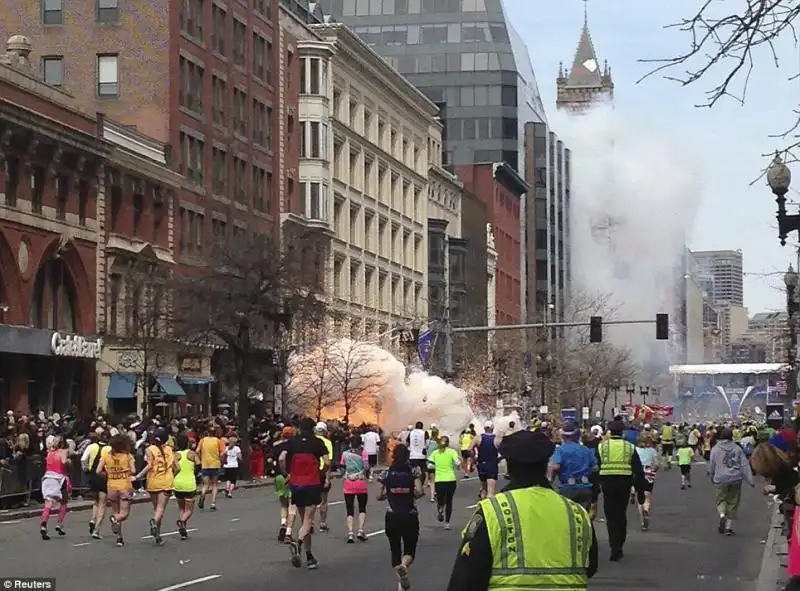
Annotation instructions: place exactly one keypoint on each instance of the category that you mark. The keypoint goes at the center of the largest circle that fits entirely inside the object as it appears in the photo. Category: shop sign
(129, 360)
(191, 364)
(75, 346)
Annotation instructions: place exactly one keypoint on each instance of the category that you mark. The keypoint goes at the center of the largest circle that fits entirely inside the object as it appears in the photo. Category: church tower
(585, 84)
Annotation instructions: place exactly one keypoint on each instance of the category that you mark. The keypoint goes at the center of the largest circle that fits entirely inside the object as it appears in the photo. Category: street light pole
(778, 178)
(631, 389)
(543, 371)
(644, 391)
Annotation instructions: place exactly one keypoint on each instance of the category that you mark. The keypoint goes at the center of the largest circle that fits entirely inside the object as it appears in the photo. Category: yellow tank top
(466, 441)
(160, 477)
(118, 469)
(184, 480)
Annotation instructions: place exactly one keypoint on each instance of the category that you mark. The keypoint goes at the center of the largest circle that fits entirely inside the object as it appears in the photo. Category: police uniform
(620, 468)
(528, 536)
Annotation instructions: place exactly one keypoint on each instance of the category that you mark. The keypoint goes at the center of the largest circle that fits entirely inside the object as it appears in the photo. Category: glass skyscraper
(466, 57)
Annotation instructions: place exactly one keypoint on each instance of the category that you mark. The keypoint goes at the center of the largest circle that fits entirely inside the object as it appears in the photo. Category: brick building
(199, 75)
(500, 188)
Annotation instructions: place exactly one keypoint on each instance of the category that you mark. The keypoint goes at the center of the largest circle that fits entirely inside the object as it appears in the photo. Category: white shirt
(370, 439)
(232, 456)
(416, 444)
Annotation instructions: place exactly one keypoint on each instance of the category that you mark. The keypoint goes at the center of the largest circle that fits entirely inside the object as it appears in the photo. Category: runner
(667, 444)
(233, 455)
(446, 463)
(371, 440)
(97, 483)
(400, 485)
(118, 464)
(301, 460)
(55, 485)
(465, 442)
(355, 486)
(644, 487)
(284, 494)
(211, 449)
(160, 472)
(321, 432)
(185, 483)
(417, 448)
(685, 456)
(487, 458)
(430, 468)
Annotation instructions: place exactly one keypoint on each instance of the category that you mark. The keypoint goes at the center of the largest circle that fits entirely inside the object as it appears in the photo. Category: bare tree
(729, 44)
(310, 385)
(354, 375)
(246, 294)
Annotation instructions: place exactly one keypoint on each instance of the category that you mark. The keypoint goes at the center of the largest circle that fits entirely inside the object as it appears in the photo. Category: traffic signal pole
(450, 331)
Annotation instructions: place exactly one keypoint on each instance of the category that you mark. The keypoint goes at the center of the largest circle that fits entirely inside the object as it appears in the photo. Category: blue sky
(729, 139)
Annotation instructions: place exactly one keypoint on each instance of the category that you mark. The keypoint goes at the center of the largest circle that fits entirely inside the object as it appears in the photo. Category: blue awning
(121, 386)
(196, 380)
(169, 386)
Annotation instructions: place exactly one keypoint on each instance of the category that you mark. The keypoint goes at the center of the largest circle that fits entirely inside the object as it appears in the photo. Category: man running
(417, 440)
(211, 449)
(321, 431)
(488, 461)
(301, 460)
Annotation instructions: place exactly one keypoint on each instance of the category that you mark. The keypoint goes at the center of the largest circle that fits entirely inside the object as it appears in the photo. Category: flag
(425, 344)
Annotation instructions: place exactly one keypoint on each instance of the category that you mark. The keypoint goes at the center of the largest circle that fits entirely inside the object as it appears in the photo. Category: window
(107, 75)
(192, 156)
(191, 18)
(316, 200)
(313, 140)
(262, 58)
(264, 8)
(116, 205)
(53, 70)
(138, 210)
(114, 292)
(240, 180)
(262, 189)
(240, 112)
(218, 22)
(62, 196)
(313, 76)
(433, 34)
(239, 43)
(191, 235)
(190, 93)
(37, 189)
(262, 124)
(11, 174)
(107, 11)
(52, 12)
(218, 100)
(219, 173)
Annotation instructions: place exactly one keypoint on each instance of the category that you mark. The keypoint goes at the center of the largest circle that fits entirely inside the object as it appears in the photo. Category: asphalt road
(235, 548)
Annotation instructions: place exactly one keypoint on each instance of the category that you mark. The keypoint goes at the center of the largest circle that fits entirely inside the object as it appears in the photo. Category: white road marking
(376, 533)
(472, 506)
(190, 583)
(10, 522)
(170, 533)
(335, 503)
(235, 519)
(81, 545)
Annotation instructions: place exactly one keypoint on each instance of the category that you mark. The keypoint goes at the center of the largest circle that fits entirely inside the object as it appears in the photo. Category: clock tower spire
(585, 83)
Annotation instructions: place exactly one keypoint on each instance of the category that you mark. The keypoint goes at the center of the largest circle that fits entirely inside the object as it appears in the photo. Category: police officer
(523, 538)
(620, 467)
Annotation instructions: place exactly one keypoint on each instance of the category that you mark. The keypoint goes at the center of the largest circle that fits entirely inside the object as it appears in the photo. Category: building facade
(723, 272)
(502, 191)
(585, 85)
(383, 138)
(765, 341)
(201, 76)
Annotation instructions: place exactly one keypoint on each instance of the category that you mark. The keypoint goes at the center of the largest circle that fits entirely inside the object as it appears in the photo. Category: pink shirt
(54, 463)
(356, 483)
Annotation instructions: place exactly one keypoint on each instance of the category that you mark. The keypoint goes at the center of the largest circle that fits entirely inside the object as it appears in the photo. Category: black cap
(160, 435)
(527, 447)
(616, 427)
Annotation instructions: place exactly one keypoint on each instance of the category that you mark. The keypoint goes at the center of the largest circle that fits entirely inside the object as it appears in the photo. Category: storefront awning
(169, 386)
(196, 380)
(121, 386)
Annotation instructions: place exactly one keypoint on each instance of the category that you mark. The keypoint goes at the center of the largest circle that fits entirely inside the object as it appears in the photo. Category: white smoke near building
(635, 194)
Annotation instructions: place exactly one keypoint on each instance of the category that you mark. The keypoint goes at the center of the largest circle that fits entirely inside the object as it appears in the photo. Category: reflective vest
(615, 457)
(666, 434)
(550, 552)
(737, 434)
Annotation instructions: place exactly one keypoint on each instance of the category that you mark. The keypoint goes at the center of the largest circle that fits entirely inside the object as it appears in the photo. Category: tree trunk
(243, 366)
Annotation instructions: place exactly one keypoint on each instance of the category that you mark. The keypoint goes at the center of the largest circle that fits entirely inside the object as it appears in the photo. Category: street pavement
(235, 548)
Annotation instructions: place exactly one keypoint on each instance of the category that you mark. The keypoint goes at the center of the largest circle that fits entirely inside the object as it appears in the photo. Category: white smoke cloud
(635, 195)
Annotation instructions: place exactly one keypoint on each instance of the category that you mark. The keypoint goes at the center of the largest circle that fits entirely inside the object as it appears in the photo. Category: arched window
(53, 304)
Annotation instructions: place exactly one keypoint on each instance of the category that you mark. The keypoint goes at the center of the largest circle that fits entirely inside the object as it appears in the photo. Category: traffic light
(662, 327)
(596, 329)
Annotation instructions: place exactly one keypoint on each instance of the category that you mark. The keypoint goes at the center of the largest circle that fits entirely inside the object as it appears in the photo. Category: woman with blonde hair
(55, 485)
(776, 466)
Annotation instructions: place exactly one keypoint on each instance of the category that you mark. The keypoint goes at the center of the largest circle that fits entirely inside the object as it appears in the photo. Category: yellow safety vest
(615, 457)
(666, 434)
(550, 552)
(737, 435)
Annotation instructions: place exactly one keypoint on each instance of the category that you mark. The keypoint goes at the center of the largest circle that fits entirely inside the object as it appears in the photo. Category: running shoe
(447, 526)
(96, 535)
(120, 542)
(729, 531)
(362, 536)
(201, 502)
(43, 532)
(721, 526)
(184, 535)
(323, 527)
(311, 562)
(402, 574)
(60, 529)
(351, 539)
(213, 507)
(91, 527)
(115, 525)
(295, 548)
(440, 514)
(282, 533)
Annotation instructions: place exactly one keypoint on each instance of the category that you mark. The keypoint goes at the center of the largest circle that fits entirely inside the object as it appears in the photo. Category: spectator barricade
(21, 481)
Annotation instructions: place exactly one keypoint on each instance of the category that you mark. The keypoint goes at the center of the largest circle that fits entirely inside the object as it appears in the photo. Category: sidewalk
(81, 505)
(773, 575)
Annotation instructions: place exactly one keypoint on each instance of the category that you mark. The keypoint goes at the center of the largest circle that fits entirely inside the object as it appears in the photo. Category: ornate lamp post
(779, 177)
(644, 391)
(631, 390)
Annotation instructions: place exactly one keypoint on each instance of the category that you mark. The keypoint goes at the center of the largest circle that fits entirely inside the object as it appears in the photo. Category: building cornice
(316, 47)
(509, 177)
(374, 69)
(437, 172)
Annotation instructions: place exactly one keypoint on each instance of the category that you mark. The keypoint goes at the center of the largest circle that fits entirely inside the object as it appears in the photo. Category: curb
(772, 575)
(17, 514)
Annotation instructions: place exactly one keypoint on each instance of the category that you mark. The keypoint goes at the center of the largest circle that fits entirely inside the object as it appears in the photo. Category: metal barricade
(14, 490)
